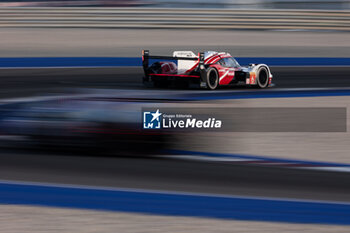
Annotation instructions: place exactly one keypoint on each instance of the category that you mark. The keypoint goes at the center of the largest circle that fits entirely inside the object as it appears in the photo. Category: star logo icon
(152, 120)
(156, 115)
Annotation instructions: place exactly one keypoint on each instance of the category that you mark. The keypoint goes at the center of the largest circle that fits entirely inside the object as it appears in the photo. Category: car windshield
(231, 62)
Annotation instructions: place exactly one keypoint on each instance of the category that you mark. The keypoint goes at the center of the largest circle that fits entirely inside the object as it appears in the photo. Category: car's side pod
(202, 70)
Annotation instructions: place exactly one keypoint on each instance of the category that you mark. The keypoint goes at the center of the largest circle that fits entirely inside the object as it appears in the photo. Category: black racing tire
(212, 78)
(262, 79)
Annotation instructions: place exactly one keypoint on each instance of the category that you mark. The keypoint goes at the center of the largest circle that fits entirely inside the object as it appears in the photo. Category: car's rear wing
(146, 57)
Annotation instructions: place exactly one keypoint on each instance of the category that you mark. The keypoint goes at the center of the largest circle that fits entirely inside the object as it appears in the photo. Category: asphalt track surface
(162, 173)
(26, 82)
(174, 175)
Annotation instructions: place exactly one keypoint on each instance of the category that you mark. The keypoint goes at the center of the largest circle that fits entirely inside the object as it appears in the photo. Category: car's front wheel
(263, 77)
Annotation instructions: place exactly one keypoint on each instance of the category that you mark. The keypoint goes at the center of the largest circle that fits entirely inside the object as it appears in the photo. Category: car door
(226, 72)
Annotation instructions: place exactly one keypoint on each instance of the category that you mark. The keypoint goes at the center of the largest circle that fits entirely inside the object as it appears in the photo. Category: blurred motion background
(252, 4)
(71, 101)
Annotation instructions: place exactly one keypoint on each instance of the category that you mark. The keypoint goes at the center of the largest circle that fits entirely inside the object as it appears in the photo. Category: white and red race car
(209, 69)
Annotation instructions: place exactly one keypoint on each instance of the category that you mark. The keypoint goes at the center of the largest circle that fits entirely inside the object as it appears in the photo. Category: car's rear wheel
(212, 78)
(263, 77)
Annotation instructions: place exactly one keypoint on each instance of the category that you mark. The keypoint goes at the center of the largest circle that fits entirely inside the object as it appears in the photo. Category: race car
(209, 69)
(101, 122)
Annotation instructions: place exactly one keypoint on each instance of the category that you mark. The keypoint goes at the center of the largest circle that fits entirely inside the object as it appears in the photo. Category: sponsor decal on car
(252, 78)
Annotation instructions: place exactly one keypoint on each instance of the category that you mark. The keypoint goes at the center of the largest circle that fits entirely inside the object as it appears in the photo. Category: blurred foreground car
(209, 69)
(109, 125)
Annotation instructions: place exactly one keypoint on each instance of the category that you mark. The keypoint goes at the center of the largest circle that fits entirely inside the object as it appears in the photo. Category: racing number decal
(252, 78)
